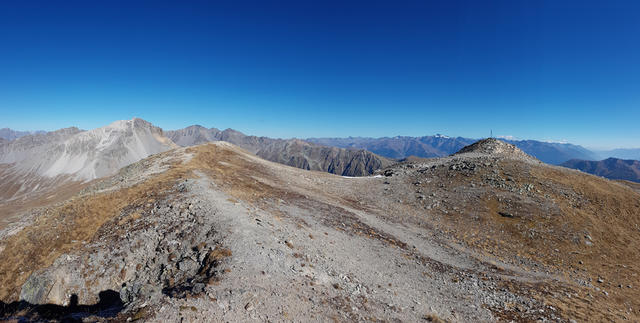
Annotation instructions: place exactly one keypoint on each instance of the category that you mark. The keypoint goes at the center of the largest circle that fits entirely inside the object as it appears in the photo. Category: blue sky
(547, 70)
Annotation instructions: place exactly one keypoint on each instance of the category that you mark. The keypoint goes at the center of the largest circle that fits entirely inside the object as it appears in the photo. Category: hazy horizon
(594, 149)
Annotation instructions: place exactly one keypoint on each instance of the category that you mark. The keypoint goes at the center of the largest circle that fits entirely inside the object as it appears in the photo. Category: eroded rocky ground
(213, 233)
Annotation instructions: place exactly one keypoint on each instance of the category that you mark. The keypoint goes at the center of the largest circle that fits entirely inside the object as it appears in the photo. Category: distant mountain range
(352, 156)
(42, 162)
(439, 145)
(400, 147)
(292, 152)
(9, 134)
(86, 154)
(620, 153)
(612, 168)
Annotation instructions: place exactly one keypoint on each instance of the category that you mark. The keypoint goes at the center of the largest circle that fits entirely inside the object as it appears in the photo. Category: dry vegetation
(569, 225)
(635, 186)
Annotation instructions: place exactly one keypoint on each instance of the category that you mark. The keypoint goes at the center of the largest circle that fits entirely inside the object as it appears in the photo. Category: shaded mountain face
(611, 168)
(496, 234)
(292, 152)
(439, 146)
(9, 134)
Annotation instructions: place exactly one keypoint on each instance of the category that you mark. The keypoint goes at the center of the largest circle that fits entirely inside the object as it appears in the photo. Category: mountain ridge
(612, 168)
(42, 165)
(86, 155)
(620, 153)
(9, 134)
(293, 152)
(400, 147)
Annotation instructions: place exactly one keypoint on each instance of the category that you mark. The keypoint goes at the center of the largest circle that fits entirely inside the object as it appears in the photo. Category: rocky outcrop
(149, 238)
(172, 250)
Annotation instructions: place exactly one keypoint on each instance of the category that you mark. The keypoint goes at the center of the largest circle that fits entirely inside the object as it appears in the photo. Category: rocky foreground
(214, 233)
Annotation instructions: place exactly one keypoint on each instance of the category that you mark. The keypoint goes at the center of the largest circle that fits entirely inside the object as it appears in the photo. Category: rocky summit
(212, 232)
(495, 147)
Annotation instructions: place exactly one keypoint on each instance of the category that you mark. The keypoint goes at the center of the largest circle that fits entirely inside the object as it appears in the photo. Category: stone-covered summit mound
(492, 146)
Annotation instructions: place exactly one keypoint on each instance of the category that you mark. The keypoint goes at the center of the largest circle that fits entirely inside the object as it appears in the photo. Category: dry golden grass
(234, 171)
(635, 186)
(550, 226)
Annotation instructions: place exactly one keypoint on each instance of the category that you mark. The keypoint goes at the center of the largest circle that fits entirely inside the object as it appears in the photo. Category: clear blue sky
(550, 70)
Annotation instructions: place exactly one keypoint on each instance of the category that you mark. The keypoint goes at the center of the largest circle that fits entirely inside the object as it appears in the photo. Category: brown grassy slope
(548, 223)
(48, 192)
(635, 186)
(609, 213)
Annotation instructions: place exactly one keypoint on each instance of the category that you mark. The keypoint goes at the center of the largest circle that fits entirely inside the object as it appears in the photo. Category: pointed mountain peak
(133, 123)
